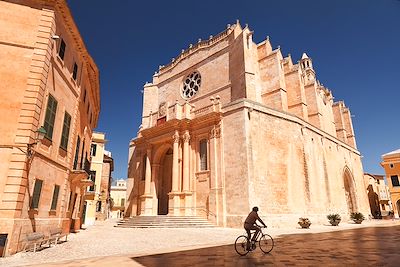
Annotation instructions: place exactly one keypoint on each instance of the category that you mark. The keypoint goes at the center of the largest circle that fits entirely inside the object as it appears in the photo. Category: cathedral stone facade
(230, 124)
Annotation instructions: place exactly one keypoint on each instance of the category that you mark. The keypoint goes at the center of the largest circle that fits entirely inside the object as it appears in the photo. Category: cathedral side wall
(295, 171)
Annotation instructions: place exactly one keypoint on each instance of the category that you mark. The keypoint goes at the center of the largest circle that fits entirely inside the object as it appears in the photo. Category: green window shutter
(65, 131)
(55, 197)
(36, 194)
(50, 116)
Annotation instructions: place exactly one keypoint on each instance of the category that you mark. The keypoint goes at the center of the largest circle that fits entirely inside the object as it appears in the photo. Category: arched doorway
(349, 191)
(398, 207)
(164, 182)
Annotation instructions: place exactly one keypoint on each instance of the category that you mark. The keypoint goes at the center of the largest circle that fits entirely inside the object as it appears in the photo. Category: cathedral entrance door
(165, 183)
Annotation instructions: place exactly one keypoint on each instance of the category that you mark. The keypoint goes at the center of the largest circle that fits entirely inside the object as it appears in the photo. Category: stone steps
(164, 221)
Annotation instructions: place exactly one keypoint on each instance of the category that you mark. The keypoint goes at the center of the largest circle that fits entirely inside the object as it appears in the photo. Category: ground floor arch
(164, 182)
(398, 207)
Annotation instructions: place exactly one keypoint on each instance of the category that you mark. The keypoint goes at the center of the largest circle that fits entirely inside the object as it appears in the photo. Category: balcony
(185, 111)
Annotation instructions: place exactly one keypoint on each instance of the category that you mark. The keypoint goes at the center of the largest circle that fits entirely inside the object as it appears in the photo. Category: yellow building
(97, 198)
(48, 81)
(118, 198)
(391, 164)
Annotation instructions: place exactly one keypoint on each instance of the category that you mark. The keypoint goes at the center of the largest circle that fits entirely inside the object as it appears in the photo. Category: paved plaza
(374, 243)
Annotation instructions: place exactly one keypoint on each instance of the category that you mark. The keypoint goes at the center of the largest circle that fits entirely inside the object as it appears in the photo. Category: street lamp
(40, 133)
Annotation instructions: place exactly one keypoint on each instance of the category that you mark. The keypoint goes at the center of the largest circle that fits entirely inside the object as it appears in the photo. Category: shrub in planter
(334, 219)
(357, 217)
(304, 222)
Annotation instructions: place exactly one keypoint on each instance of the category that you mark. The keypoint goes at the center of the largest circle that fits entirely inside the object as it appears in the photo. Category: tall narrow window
(50, 116)
(65, 131)
(144, 167)
(98, 206)
(122, 202)
(61, 51)
(203, 155)
(93, 150)
(83, 153)
(92, 176)
(75, 71)
(78, 142)
(84, 95)
(36, 194)
(55, 197)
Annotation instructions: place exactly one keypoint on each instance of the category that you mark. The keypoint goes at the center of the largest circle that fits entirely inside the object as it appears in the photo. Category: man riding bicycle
(250, 224)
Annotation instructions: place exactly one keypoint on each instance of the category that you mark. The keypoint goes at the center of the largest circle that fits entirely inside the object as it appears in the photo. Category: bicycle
(265, 242)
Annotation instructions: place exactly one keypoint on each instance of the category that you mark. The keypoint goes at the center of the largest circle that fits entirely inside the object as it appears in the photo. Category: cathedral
(230, 124)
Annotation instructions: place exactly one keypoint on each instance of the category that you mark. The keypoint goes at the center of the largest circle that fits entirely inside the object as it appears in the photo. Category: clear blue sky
(354, 44)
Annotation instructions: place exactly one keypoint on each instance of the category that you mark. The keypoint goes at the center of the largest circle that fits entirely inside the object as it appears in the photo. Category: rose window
(191, 85)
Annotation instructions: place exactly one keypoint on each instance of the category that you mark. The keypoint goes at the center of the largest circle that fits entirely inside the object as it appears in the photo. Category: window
(82, 154)
(50, 116)
(122, 202)
(75, 71)
(144, 168)
(55, 197)
(93, 150)
(191, 85)
(391, 165)
(378, 182)
(84, 95)
(98, 206)
(36, 194)
(203, 155)
(61, 51)
(77, 153)
(92, 176)
(88, 108)
(65, 131)
(395, 180)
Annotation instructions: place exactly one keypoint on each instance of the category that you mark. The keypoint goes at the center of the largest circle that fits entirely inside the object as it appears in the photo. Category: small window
(391, 165)
(65, 131)
(122, 202)
(36, 194)
(55, 197)
(378, 182)
(50, 116)
(395, 180)
(203, 155)
(88, 108)
(90, 121)
(93, 150)
(84, 95)
(61, 51)
(144, 167)
(75, 71)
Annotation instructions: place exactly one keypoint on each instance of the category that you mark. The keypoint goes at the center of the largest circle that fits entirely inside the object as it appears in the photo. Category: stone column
(186, 138)
(174, 195)
(175, 163)
(215, 183)
(147, 205)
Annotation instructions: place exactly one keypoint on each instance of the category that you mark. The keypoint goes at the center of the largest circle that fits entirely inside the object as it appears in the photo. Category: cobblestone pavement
(105, 245)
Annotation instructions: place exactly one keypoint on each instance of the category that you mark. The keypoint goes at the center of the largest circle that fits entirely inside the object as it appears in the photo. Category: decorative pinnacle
(191, 45)
(228, 26)
(199, 40)
(211, 37)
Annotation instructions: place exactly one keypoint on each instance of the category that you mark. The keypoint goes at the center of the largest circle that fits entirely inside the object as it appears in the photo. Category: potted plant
(334, 219)
(304, 223)
(357, 217)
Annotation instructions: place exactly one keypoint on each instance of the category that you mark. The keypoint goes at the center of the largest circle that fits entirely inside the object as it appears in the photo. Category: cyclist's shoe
(248, 246)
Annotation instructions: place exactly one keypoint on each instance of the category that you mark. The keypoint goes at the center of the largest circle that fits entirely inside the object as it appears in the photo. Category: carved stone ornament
(186, 137)
(175, 137)
(216, 132)
(162, 109)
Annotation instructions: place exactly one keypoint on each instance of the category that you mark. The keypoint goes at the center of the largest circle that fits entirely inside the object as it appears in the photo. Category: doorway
(165, 183)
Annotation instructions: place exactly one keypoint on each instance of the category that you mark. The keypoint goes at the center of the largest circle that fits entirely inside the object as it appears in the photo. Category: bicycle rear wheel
(266, 243)
(241, 245)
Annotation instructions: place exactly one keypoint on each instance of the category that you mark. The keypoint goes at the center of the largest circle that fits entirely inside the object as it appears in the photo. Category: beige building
(47, 79)
(230, 124)
(118, 199)
(391, 164)
(378, 195)
(97, 197)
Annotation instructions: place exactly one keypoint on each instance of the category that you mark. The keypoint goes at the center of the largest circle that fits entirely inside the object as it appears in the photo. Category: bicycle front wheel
(266, 243)
(241, 245)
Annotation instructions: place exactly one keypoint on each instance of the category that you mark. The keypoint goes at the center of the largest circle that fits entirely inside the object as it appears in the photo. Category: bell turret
(307, 69)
